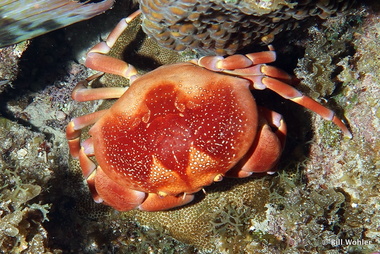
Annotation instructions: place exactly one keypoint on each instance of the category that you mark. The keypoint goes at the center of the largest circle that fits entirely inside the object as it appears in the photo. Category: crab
(180, 127)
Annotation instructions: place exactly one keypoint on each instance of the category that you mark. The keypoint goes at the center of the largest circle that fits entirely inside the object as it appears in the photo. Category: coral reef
(219, 221)
(325, 197)
(22, 209)
(24, 20)
(355, 168)
(318, 72)
(10, 56)
(222, 27)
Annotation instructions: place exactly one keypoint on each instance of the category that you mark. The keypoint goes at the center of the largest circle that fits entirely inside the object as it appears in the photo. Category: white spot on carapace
(200, 161)
(146, 117)
(158, 172)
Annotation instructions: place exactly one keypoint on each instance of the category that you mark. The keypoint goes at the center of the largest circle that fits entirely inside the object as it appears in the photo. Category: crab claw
(156, 202)
(105, 190)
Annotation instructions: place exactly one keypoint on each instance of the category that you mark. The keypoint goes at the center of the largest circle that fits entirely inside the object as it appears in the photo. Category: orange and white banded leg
(267, 147)
(74, 130)
(253, 67)
(269, 77)
(98, 60)
(220, 64)
(82, 93)
(85, 150)
(290, 93)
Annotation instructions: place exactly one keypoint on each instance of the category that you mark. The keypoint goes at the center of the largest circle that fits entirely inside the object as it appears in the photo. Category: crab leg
(251, 67)
(87, 165)
(73, 130)
(81, 91)
(290, 93)
(261, 70)
(264, 76)
(235, 62)
(98, 60)
(275, 121)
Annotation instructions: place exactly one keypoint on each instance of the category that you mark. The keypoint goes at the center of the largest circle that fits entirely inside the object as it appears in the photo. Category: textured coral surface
(324, 198)
(224, 26)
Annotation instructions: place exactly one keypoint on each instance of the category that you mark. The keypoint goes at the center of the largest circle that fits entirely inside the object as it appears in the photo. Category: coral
(9, 57)
(20, 21)
(308, 219)
(22, 211)
(20, 218)
(142, 52)
(217, 220)
(318, 71)
(223, 27)
(143, 239)
(355, 167)
(350, 168)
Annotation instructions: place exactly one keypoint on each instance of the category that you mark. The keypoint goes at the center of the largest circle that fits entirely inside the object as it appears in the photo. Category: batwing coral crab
(180, 127)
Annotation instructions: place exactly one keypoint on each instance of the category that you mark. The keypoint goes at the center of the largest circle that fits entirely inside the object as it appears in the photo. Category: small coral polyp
(180, 127)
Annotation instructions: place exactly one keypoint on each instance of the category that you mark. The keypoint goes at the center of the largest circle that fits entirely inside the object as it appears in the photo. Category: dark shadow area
(132, 56)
